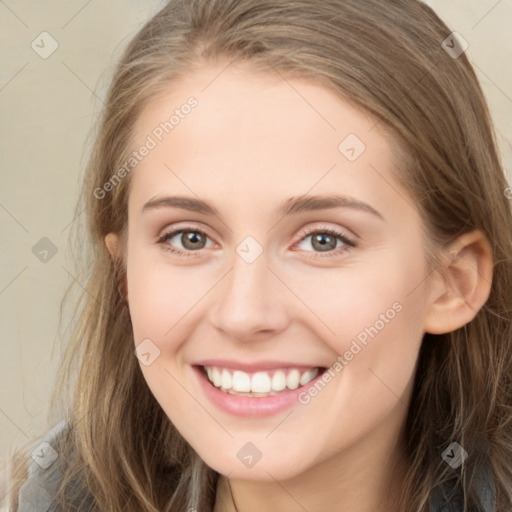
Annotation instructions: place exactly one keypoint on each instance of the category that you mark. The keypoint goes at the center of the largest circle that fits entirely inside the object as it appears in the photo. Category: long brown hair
(121, 451)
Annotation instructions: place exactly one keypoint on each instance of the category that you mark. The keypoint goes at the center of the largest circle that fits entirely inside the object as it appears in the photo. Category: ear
(465, 285)
(113, 243)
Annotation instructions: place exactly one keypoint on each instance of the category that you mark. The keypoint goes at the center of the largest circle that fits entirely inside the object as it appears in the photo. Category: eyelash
(349, 244)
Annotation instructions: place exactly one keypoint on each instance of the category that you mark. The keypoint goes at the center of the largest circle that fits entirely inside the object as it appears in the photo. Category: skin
(251, 143)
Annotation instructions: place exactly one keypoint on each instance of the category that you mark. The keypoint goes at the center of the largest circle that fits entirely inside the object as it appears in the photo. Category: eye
(326, 240)
(191, 240)
(323, 240)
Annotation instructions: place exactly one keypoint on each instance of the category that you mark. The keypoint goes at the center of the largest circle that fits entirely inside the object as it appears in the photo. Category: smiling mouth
(261, 383)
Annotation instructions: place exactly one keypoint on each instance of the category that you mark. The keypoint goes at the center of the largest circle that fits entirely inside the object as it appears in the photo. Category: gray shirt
(45, 473)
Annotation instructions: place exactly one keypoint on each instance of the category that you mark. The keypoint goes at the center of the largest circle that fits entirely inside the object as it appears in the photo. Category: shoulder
(44, 472)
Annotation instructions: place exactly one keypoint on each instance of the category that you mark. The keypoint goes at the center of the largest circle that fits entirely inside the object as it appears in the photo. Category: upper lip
(254, 366)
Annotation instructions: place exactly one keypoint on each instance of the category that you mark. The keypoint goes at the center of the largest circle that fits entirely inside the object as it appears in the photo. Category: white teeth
(217, 379)
(308, 376)
(278, 381)
(241, 382)
(292, 379)
(259, 383)
(227, 381)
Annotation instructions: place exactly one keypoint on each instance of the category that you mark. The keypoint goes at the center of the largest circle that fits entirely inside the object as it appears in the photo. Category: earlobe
(465, 285)
(112, 243)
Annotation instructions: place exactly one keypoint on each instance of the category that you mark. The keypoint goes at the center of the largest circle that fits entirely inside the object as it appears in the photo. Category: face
(305, 312)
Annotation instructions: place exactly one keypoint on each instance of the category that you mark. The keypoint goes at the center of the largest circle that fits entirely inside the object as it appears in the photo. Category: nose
(250, 302)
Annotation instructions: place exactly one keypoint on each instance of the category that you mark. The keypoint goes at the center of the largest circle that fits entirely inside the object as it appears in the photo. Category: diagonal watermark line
(83, 83)
(73, 219)
(80, 284)
(282, 77)
(76, 14)
(183, 316)
(4, 497)
(492, 81)
(13, 217)
(300, 299)
(401, 195)
(486, 14)
(304, 98)
(432, 271)
(196, 195)
(464, 229)
(217, 76)
(7, 7)
(280, 423)
(420, 282)
(220, 15)
(438, 51)
(306, 193)
(287, 492)
(399, 398)
(13, 279)
(23, 387)
(13, 77)
(199, 403)
(13, 422)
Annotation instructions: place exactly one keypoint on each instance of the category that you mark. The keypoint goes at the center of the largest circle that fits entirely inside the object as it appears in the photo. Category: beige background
(47, 107)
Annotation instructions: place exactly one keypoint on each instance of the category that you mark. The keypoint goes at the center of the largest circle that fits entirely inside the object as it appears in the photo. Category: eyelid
(175, 228)
(339, 233)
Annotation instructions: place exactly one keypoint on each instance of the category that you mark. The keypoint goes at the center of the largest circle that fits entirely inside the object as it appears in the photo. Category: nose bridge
(248, 299)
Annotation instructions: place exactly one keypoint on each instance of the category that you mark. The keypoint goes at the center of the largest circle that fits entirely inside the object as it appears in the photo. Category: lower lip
(250, 406)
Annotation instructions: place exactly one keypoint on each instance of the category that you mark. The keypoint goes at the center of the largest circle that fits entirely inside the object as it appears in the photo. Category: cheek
(161, 295)
(163, 303)
(373, 378)
(371, 318)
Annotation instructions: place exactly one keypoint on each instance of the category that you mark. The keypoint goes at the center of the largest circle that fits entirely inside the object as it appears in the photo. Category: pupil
(326, 242)
(191, 239)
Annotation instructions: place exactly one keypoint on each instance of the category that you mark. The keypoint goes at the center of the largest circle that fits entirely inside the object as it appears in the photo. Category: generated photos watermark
(307, 395)
(152, 140)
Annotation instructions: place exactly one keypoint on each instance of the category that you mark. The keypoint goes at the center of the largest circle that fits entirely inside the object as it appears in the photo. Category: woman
(300, 224)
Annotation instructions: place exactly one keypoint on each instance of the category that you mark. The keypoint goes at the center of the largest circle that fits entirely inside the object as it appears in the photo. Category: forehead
(258, 135)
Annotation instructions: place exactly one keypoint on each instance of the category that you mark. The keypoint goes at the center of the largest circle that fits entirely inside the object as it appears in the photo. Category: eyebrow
(290, 206)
